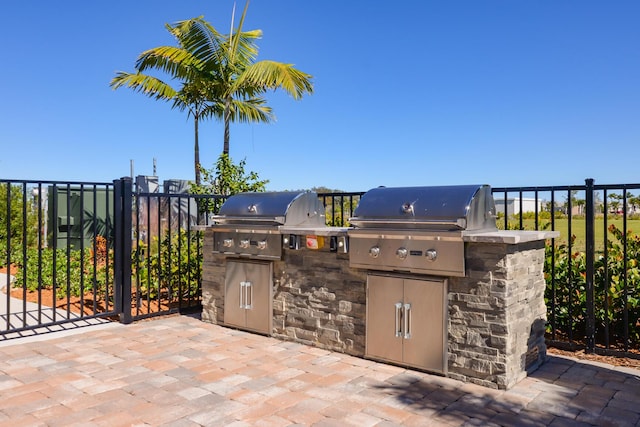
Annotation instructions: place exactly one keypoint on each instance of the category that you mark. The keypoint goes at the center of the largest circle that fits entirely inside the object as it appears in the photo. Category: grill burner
(419, 229)
(249, 224)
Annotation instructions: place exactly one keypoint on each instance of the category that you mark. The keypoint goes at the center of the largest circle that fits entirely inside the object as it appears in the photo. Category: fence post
(590, 259)
(123, 206)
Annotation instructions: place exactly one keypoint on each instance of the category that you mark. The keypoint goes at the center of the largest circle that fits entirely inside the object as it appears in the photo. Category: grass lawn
(577, 229)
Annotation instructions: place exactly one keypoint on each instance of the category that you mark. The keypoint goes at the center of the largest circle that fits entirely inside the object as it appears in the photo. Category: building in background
(77, 213)
(182, 210)
(514, 205)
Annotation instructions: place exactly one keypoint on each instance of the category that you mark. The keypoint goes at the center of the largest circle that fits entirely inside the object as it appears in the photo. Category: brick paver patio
(180, 371)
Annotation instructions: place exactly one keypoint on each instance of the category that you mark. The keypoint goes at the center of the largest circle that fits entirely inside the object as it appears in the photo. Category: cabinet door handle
(241, 294)
(407, 321)
(244, 294)
(398, 320)
(249, 296)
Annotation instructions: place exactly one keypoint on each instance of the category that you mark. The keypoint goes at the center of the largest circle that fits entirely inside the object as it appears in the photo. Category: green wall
(74, 218)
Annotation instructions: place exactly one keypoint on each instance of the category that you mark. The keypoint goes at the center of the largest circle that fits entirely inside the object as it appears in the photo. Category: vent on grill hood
(455, 207)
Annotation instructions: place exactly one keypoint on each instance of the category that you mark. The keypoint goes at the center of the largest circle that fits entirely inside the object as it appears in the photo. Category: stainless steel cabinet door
(406, 321)
(247, 300)
(384, 305)
(423, 324)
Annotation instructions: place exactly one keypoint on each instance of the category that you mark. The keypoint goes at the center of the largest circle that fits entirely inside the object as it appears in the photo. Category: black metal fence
(158, 250)
(339, 207)
(55, 245)
(73, 251)
(593, 281)
(78, 251)
(167, 233)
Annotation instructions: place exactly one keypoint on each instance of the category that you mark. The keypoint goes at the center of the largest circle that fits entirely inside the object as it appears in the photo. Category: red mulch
(14, 270)
(85, 305)
(611, 360)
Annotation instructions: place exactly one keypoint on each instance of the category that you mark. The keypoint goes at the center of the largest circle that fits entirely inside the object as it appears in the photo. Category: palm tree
(615, 201)
(179, 63)
(634, 201)
(217, 74)
(243, 81)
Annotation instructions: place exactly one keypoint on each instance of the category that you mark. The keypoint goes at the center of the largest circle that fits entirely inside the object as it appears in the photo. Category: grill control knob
(431, 254)
(244, 243)
(262, 244)
(374, 252)
(402, 253)
(227, 243)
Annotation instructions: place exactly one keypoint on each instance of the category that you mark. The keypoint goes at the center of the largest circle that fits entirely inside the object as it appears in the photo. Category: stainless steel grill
(419, 229)
(249, 224)
(247, 231)
(400, 236)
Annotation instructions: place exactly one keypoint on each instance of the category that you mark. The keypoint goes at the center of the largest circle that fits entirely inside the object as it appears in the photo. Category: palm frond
(252, 110)
(242, 49)
(147, 85)
(201, 40)
(174, 61)
(213, 110)
(196, 96)
(245, 49)
(276, 75)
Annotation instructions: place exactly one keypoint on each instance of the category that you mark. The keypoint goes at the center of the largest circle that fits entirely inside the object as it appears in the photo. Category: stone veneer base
(496, 314)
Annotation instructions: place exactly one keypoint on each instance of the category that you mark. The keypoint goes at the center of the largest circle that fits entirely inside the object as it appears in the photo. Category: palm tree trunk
(196, 151)
(227, 120)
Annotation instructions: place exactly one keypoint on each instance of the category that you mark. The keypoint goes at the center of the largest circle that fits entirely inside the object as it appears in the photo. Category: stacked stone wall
(497, 314)
(319, 300)
(213, 275)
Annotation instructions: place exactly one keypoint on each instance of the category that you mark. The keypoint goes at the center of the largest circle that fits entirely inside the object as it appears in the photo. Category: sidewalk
(180, 371)
(16, 313)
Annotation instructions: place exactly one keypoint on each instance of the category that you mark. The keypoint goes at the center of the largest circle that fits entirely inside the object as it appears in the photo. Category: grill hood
(289, 208)
(454, 207)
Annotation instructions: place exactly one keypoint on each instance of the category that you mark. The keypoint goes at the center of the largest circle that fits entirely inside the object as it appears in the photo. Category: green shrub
(13, 212)
(69, 273)
(611, 296)
(168, 269)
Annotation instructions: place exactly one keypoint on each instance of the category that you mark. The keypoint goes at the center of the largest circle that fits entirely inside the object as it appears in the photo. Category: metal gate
(78, 253)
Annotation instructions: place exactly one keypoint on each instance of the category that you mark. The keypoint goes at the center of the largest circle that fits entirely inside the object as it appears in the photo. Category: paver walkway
(180, 371)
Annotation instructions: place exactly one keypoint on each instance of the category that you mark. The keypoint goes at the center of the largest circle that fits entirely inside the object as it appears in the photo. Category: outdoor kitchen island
(484, 325)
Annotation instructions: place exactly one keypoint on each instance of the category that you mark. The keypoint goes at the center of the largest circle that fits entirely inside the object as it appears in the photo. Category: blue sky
(406, 93)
